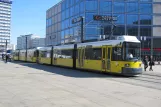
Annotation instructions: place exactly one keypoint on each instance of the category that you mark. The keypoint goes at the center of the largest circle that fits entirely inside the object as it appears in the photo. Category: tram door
(55, 56)
(81, 53)
(106, 58)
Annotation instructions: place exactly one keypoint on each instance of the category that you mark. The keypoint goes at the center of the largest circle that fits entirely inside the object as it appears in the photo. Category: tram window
(67, 53)
(97, 53)
(35, 54)
(88, 53)
(104, 50)
(42, 54)
(116, 54)
(93, 53)
(45, 54)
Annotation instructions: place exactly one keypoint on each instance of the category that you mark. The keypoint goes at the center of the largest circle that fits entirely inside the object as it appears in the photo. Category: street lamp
(26, 49)
(6, 46)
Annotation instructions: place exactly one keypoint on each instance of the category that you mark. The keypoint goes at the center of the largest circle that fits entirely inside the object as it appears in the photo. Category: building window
(105, 6)
(91, 29)
(119, 7)
(132, 30)
(145, 31)
(132, 8)
(146, 0)
(119, 30)
(89, 17)
(145, 20)
(132, 19)
(67, 13)
(81, 7)
(91, 5)
(72, 11)
(62, 34)
(146, 8)
(76, 9)
(120, 18)
(63, 15)
(72, 2)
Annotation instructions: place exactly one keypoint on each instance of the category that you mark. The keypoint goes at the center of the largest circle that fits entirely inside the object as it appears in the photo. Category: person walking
(6, 58)
(2, 56)
(145, 61)
(151, 63)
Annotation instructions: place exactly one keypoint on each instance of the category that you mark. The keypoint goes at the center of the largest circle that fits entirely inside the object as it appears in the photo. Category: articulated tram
(108, 56)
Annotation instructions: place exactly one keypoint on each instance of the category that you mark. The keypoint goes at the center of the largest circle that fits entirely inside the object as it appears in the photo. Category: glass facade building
(5, 23)
(141, 18)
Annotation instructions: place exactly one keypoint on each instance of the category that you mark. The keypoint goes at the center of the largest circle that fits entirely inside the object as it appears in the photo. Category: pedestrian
(151, 63)
(145, 61)
(6, 58)
(2, 56)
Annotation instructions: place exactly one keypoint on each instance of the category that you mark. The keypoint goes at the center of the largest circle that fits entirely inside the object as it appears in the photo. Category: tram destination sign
(6, 1)
(104, 18)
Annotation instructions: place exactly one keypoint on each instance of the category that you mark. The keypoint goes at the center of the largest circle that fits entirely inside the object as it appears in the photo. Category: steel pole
(82, 36)
(26, 49)
(151, 46)
(6, 46)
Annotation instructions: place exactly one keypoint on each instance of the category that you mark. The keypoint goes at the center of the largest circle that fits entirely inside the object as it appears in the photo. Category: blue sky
(29, 16)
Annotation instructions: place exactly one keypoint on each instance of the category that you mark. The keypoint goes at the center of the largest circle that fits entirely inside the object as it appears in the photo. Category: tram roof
(44, 48)
(22, 50)
(71, 46)
(119, 40)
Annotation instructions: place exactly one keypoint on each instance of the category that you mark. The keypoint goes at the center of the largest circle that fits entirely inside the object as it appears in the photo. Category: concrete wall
(157, 31)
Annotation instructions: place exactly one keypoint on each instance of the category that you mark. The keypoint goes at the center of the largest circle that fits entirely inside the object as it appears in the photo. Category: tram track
(153, 82)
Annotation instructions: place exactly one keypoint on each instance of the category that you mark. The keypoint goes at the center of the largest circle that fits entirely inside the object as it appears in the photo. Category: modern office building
(37, 42)
(141, 18)
(5, 23)
(31, 40)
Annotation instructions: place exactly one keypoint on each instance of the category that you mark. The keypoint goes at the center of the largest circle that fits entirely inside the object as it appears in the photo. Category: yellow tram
(121, 56)
(111, 56)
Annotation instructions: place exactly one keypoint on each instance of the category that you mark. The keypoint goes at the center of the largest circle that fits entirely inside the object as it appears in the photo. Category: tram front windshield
(132, 51)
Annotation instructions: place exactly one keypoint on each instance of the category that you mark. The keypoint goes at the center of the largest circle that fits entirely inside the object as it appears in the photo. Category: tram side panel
(63, 57)
(45, 57)
(16, 55)
(31, 56)
(89, 58)
(22, 55)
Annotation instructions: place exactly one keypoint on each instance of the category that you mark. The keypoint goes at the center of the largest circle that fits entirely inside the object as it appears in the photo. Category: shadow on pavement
(67, 71)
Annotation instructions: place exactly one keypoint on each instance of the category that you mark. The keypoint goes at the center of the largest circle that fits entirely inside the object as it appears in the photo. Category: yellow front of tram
(127, 59)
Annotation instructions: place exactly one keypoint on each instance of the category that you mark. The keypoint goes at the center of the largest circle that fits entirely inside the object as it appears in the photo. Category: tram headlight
(139, 65)
(127, 65)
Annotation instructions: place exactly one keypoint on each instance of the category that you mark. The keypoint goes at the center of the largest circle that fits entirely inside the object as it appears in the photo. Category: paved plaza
(33, 85)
